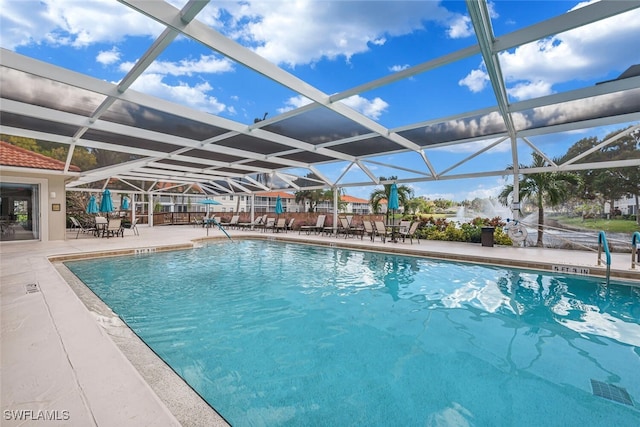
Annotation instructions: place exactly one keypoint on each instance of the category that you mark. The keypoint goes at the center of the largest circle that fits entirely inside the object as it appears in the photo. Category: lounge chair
(345, 227)
(259, 222)
(411, 233)
(315, 228)
(269, 223)
(232, 223)
(380, 230)
(114, 228)
(290, 224)
(368, 229)
(76, 225)
(280, 224)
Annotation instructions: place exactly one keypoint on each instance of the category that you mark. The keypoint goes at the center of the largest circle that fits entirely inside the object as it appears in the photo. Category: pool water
(273, 333)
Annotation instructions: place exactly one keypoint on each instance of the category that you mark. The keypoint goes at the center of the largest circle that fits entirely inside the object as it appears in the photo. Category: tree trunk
(540, 227)
(540, 223)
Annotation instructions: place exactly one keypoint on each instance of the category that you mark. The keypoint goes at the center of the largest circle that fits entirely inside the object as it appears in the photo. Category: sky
(334, 46)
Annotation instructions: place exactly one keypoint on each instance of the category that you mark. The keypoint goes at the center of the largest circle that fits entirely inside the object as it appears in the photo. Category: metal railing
(602, 243)
(635, 244)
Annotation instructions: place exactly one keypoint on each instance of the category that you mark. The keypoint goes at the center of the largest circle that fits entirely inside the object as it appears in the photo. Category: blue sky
(325, 44)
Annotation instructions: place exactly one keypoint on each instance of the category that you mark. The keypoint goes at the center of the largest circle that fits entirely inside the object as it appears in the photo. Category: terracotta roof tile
(351, 199)
(11, 155)
(274, 194)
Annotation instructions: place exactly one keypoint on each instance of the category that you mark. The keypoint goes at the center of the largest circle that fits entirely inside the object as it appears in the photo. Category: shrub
(431, 228)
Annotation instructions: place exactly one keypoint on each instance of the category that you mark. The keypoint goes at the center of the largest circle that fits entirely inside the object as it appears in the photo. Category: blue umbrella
(393, 199)
(125, 203)
(279, 209)
(92, 207)
(106, 205)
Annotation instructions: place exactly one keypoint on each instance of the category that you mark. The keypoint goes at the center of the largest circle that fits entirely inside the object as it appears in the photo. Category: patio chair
(290, 224)
(346, 227)
(134, 227)
(380, 230)
(114, 228)
(280, 224)
(315, 228)
(411, 232)
(232, 223)
(368, 229)
(101, 225)
(259, 222)
(76, 225)
(270, 223)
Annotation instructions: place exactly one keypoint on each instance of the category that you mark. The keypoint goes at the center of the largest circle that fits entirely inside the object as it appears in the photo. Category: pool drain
(611, 392)
(32, 288)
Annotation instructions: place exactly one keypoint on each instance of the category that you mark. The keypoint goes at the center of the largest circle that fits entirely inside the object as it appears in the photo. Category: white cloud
(209, 64)
(329, 29)
(589, 52)
(192, 96)
(460, 27)
(481, 192)
(71, 22)
(474, 147)
(371, 108)
(396, 68)
(293, 103)
(476, 81)
(530, 90)
(107, 57)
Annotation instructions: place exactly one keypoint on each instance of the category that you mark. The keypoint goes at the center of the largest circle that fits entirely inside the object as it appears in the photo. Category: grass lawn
(607, 225)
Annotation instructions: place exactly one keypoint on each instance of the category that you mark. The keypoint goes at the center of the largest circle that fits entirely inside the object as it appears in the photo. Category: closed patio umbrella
(279, 208)
(106, 204)
(125, 203)
(92, 207)
(393, 200)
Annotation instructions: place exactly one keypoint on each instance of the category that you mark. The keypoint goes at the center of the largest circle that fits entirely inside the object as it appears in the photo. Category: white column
(335, 210)
(150, 209)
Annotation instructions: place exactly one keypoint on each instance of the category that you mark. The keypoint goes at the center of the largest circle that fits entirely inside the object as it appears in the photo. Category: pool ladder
(602, 243)
(635, 246)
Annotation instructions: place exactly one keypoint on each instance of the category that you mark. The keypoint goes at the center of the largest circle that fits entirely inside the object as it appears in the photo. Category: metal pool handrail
(602, 243)
(635, 244)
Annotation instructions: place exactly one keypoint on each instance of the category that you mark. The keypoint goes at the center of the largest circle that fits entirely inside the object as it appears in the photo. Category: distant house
(266, 202)
(32, 195)
(355, 205)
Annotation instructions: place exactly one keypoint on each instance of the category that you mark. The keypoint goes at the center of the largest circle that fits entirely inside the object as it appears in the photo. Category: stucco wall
(52, 223)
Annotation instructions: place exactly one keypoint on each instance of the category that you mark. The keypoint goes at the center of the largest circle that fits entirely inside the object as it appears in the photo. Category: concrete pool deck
(68, 359)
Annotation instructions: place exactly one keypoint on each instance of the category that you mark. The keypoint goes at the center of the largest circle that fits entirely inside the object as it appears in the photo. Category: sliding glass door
(19, 211)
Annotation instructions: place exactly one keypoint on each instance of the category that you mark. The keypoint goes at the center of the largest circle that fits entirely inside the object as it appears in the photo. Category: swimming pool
(274, 333)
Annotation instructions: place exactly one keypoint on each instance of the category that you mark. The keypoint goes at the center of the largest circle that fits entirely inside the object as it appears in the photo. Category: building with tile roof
(32, 194)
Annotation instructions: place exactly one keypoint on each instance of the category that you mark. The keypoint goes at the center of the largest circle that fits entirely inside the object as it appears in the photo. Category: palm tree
(313, 196)
(551, 188)
(404, 195)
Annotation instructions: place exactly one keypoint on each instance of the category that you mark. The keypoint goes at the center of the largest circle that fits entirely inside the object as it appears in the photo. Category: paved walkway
(63, 353)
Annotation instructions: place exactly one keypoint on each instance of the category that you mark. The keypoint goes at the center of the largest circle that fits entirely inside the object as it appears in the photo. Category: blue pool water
(273, 333)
